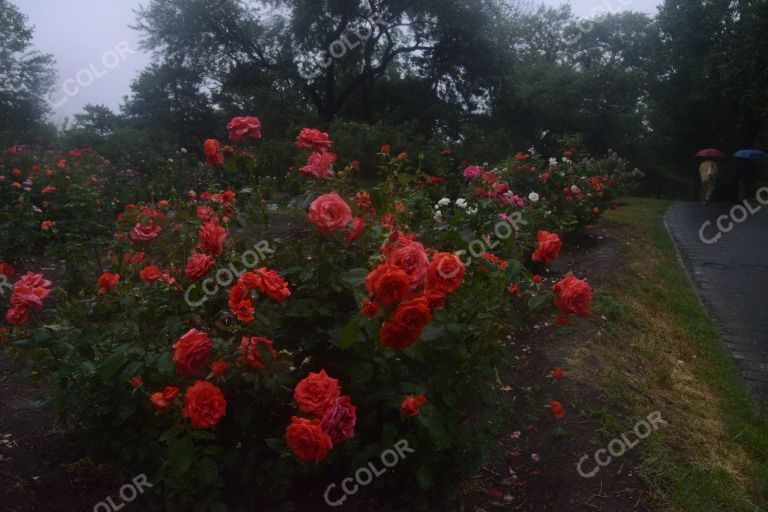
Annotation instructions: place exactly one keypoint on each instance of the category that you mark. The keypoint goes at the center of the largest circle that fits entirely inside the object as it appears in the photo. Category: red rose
(413, 259)
(388, 284)
(307, 440)
(204, 404)
(572, 296)
(313, 139)
(252, 348)
(514, 290)
(356, 229)
(198, 266)
(386, 149)
(7, 270)
(414, 314)
(108, 282)
(136, 382)
(395, 336)
(436, 299)
(17, 315)
(412, 405)
(191, 353)
(316, 393)
(339, 420)
(446, 272)
(536, 279)
(557, 409)
(243, 128)
(219, 368)
(212, 237)
(558, 373)
(549, 247)
(163, 399)
(150, 274)
(213, 156)
(370, 309)
(330, 213)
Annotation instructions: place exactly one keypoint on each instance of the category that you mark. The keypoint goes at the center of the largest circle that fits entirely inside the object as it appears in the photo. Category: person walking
(708, 171)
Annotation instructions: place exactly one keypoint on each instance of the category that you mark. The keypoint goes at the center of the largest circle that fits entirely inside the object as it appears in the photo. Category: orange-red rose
(204, 405)
(163, 399)
(388, 284)
(445, 274)
(549, 247)
(213, 155)
(412, 405)
(572, 296)
(108, 282)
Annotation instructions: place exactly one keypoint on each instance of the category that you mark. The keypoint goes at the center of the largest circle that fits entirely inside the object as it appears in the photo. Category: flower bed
(240, 371)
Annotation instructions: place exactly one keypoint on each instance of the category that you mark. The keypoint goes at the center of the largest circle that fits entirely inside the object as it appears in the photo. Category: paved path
(731, 277)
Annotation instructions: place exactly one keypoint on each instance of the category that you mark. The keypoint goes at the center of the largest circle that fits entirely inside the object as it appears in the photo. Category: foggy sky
(97, 54)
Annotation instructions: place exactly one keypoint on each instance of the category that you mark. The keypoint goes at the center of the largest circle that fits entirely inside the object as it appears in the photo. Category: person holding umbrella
(747, 171)
(708, 172)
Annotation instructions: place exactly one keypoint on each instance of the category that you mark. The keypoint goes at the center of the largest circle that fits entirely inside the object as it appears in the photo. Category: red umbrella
(710, 153)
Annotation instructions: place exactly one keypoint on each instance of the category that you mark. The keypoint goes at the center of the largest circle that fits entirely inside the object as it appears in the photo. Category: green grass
(665, 354)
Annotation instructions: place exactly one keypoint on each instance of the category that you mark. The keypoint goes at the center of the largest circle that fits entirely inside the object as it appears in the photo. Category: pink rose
(243, 128)
(330, 213)
(339, 420)
(320, 165)
(146, 234)
(412, 259)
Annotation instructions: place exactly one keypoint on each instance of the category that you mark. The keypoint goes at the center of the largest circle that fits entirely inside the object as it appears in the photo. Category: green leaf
(424, 477)
(540, 301)
(111, 366)
(181, 455)
(349, 334)
(207, 471)
(355, 278)
(362, 373)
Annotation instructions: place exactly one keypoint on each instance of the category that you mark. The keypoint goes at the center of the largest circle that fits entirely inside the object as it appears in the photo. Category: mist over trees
(488, 77)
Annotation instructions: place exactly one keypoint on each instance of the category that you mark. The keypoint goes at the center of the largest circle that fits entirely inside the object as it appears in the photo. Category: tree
(329, 51)
(98, 119)
(170, 102)
(26, 78)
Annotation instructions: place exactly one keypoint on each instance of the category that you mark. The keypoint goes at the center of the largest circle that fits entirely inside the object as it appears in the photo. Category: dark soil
(553, 483)
(44, 469)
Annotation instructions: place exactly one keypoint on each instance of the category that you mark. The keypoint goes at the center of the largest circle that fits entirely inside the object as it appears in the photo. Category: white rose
(438, 216)
(461, 203)
(444, 202)
(472, 211)
(534, 197)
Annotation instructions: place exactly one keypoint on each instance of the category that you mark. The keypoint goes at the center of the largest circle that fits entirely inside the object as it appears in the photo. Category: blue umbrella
(751, 154)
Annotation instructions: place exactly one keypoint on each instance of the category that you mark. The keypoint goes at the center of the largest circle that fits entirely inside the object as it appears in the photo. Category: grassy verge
(661, 352)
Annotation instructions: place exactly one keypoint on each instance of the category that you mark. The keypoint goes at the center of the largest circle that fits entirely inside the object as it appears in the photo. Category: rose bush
(370, 316)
